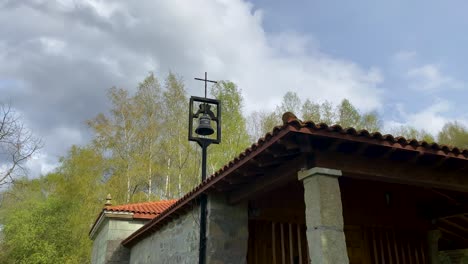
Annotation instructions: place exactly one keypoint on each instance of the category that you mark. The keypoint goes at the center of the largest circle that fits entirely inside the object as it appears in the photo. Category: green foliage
(234, 129)
(348, 116)
(412, 133)
(345, 114)
(311, 111)
(47, 220)
(180, 158)
(455, 134)
(291, 103)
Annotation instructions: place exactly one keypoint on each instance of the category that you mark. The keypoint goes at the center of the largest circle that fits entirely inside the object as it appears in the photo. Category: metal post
(203, 203)
(204, 142)
(204, 145)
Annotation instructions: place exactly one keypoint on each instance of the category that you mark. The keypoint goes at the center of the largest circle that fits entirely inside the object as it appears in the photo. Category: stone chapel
(307, 193)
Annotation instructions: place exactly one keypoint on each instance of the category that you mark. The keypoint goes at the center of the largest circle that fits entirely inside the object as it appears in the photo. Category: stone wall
(227, 231)
(459, 256)
(174, 243)
(106, 246)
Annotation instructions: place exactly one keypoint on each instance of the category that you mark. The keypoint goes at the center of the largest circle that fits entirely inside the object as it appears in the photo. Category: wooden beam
(272, 179)
(452, 224)
(299, 243)
(389, 153)
(439, 163)
(417, 156)
(335, 144)
(392, 171)
(463, 168)
(283, 251)
(288, 144)
(453, 234)
(361, 149)
(304, 143)
(446, 196)
(291, 248)
(273, 242)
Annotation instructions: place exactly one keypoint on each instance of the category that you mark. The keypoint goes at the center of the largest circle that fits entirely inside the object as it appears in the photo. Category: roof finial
(288, 117)
(108, 200)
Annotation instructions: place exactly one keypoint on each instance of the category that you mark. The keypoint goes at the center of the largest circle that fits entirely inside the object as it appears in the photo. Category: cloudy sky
(404, 59)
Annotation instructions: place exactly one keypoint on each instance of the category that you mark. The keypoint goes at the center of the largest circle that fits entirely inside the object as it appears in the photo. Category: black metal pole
(203, 211)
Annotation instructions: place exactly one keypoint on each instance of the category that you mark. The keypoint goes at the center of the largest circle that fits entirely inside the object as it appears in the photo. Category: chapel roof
(145, 210)
(280, 135)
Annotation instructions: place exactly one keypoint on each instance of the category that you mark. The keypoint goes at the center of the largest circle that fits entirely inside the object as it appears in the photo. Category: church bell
(204, 126)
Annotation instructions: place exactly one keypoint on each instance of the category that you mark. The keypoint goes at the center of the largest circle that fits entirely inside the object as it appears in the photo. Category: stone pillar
(227, 231)
(324, 216)
(433, 237)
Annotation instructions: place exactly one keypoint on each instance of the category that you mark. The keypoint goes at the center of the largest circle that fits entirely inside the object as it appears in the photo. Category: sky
(404, 59)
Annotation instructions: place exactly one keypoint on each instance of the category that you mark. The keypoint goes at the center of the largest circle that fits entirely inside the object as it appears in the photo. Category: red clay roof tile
(141, 209)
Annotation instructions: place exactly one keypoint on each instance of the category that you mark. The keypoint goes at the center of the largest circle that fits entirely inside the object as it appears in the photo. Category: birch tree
(180, 157)
(455, 134)
(234, 131)
(148, 104)
(116, 135)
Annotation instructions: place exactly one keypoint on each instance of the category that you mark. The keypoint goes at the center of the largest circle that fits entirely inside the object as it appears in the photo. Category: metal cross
(206, 81)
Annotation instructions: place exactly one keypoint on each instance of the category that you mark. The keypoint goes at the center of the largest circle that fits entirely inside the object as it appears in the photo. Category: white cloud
(431, 118)
(88, 46)
(430, 78)
(405, 56)
(41, 164)
(52, 46)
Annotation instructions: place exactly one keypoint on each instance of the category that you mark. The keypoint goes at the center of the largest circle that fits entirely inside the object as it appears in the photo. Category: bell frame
(204, 140)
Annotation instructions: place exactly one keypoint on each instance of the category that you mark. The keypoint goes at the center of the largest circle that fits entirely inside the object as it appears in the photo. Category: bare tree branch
(17, 145)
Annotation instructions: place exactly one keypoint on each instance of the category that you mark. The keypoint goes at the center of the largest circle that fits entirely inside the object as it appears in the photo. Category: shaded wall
(175, 242)
(106, 245)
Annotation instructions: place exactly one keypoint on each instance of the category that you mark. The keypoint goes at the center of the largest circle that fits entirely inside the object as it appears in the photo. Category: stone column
(324, 216)
(227, 231)
(433, 237)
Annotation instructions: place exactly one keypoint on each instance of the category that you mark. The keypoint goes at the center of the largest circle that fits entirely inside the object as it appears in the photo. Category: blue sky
(378, 34)
(404, 59)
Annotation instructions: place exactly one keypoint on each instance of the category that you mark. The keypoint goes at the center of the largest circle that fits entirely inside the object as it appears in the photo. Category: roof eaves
(376, 138)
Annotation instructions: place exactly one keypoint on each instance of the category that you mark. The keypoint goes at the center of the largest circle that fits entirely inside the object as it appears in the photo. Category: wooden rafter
(273, 178)
(454, 225)
(392, 171)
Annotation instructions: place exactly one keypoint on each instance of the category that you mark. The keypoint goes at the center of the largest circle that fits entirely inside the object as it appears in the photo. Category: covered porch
(341, 197)
(383, 223)
(309, 193)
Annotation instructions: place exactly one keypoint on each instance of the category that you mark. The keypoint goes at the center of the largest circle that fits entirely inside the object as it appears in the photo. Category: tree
(117, 135)
(291, 103)
(348, 116)
(234, 130)
(147, 103)
(46, 220)
(17, 144)
(455, 134)
(311, 111)
(261, 122)
(410, 132)
(180, 159)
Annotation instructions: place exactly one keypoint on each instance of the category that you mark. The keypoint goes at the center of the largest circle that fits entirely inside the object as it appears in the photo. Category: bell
(204, 126)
